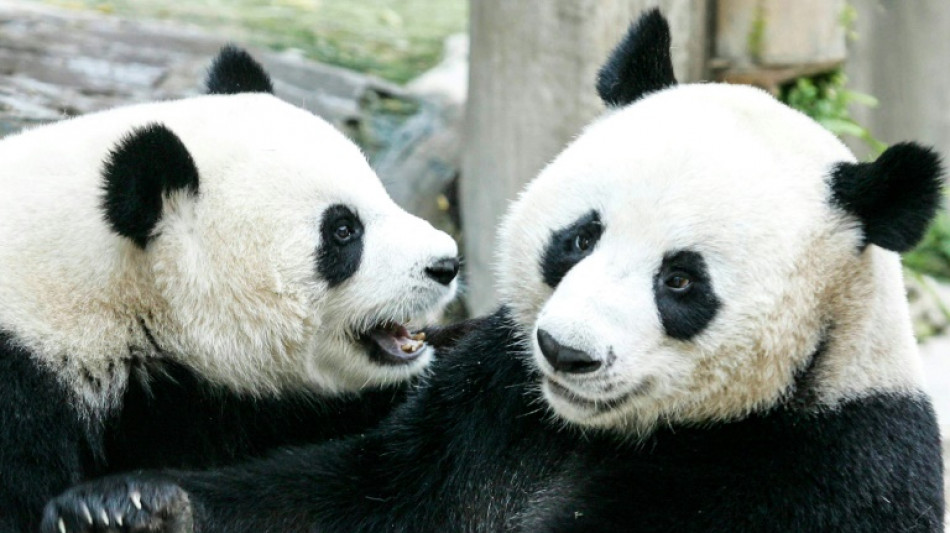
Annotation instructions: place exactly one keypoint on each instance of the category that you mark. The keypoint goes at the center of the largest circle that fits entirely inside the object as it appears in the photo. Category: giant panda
(191, 282)
(703, 329)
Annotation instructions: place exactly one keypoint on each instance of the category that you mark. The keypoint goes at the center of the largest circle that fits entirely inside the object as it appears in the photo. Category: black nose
(443, 270)
(565, 359)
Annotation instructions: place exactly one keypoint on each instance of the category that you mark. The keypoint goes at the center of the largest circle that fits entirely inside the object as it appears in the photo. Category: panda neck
(805, 390)
(90, 332)
(870, 349)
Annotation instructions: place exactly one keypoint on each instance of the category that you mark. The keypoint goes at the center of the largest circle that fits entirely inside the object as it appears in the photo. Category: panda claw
(118, 520)
(105, 517)
(61, 525)
(86, 514)
(136, 498)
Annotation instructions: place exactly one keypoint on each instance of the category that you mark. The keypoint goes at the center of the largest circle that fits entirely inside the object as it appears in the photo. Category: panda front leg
(132, 503)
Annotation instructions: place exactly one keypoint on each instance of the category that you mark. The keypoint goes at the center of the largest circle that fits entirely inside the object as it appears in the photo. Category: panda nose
(565, 359)
(444, 270)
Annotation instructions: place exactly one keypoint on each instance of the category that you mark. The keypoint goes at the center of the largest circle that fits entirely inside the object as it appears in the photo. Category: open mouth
(390, 343)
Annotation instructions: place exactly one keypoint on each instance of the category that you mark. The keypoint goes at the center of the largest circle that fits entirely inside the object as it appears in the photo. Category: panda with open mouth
(193, 282)
(704, 329)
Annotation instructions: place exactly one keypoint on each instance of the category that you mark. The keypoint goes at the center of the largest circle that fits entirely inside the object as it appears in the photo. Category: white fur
(728, 172)
(228, 285)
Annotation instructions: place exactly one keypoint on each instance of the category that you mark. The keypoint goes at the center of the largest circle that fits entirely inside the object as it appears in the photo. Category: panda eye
(587, 237)
(345, 232)
(678, 282)
(569, 246)
(582, 242)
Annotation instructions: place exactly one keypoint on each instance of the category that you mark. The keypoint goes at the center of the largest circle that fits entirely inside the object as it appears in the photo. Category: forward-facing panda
(704, 330)
(187, 283)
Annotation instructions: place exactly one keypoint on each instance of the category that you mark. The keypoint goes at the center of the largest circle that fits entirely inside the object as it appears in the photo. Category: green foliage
(827, 99)
(755, 40)
(847, 18)
(394, 39)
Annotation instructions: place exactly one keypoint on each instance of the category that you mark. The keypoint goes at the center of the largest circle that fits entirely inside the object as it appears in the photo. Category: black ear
(895, 197)
(640, 64)
(146, 165)
(235, 71)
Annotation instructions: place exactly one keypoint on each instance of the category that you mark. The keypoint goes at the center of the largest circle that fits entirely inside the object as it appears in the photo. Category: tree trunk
(531, 90)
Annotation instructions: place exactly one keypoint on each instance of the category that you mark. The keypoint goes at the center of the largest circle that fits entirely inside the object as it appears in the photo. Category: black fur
(447, 336)
(235, 71)
(895, 197)
(685, 313)
(338, 256)
(640, 64)
(149, 163)
(562, 251)
(474, 450)
(214, 426)
(169, 417)
(43, 442)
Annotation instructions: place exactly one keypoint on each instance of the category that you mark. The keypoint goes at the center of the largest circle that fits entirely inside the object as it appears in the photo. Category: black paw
(120, 504)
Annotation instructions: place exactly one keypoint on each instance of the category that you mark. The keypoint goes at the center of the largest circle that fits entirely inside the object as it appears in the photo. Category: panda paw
(120, 504)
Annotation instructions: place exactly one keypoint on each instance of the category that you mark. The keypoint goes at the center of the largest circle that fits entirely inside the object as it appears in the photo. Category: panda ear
(235, 71)
(640, 64)
(895, 197)
(145, 166)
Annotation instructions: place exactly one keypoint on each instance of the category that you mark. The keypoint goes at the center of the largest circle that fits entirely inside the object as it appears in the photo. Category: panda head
(261, 248)
(701, 252)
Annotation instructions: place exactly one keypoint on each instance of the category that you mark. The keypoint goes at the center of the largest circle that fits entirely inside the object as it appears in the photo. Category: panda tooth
(421, 336)
(408, 348)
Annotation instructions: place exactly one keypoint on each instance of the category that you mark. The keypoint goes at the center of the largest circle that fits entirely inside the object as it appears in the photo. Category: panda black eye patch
(684, 294)
(569, 246)
(341, 244)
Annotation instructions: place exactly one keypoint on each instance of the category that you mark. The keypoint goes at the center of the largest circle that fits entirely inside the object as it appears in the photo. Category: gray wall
(902, 57)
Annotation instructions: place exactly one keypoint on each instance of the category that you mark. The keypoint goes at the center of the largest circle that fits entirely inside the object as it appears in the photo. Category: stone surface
(779, 34)
(56, 63)
(421, 165)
